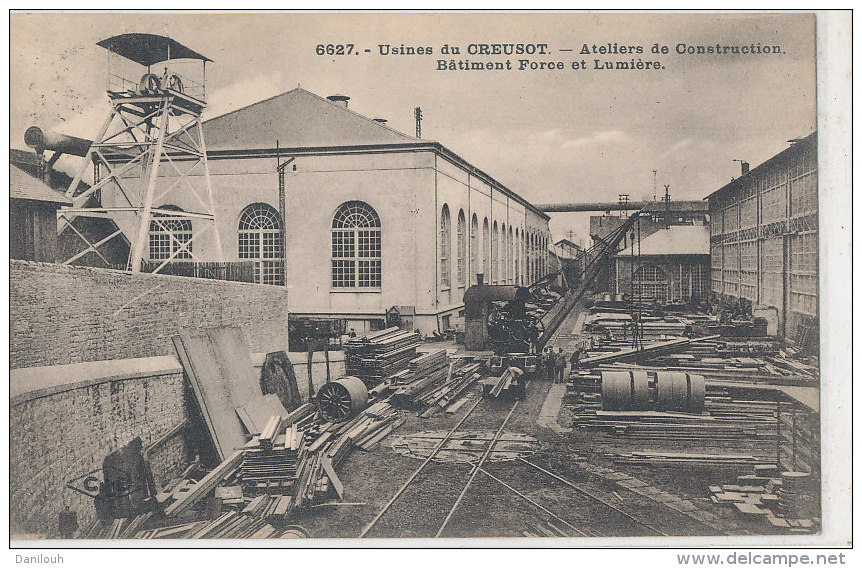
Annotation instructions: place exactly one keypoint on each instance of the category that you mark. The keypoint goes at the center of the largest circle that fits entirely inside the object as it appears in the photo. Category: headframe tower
(147, 151)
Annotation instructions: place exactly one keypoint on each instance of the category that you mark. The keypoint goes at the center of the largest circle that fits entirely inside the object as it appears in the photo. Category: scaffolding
(153, 123)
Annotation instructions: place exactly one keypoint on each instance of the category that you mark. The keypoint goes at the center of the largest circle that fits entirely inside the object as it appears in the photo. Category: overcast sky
(569, 135)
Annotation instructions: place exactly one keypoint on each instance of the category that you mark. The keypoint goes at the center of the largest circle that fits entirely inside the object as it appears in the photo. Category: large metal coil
(625, 390)
(341, 399)
(668, 391)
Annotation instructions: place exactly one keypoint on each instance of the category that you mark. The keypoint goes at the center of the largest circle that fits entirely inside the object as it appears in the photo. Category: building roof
(306, 124)
(677, 240)
(24, 186)
(296, 118)
(810, 140)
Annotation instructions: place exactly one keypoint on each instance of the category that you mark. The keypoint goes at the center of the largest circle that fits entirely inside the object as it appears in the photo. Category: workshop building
(763, 240)
(375, 218)
(670, 266)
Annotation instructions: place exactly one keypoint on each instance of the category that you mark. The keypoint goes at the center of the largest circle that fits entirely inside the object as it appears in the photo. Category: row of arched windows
(504, 255)
(258, 240)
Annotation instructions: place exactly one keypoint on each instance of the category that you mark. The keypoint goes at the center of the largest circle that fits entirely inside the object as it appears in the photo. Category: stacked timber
(787, 501)
(438, 388)
(261, 517)
(730, 424)
(380, 354)
(677, 459)
(620, 325)
(270, 462)
(316, 475)
(496, 387)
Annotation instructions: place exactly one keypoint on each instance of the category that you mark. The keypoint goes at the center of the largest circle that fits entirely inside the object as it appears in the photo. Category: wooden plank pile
(654, 328)
(264, 516)
(270, 460)
(494, 387)
(787, 501)
(646, 352)
(756, 359)
(380, 354)
(316, 476)
(437, 387)
(684, 459)
(731, 424)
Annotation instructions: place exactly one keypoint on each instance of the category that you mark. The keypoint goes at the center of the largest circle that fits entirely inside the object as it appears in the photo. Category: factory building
(670, 266)
(371, 218)
(763, 240)
(655, 216)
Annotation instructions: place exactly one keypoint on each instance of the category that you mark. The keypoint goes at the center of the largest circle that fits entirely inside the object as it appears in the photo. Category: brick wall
(66, 418)
(65, 314)
(62, 433)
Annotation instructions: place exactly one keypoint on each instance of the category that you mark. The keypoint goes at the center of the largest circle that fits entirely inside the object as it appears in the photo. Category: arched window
(445, 244)
(462, 248)
(170, 236)
(649, 282)
(495, 254)
(517, 247)
(510, 250)
(260, 241)
(356, 246)
(486, 251)
(504, 255)
(474, 249)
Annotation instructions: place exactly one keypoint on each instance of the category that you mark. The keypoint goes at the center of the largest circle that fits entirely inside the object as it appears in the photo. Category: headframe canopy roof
(149, 49)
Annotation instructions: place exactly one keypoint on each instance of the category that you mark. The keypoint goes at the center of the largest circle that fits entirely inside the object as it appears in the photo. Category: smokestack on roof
(339, 99)
(745, 167)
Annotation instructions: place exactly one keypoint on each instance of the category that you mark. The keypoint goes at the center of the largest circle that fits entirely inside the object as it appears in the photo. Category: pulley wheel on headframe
(341, 399)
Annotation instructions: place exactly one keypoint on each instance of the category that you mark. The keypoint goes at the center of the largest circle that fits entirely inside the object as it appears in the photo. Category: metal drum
(641, 399)
(680, 392)
(671, 391)
(616, 390)
(341, 399)
(696, 393)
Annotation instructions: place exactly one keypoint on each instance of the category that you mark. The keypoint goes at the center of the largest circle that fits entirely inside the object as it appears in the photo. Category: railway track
(459, 500)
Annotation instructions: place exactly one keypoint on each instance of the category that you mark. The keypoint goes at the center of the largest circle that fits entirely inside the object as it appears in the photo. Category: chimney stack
(745, 167)
(339, 99)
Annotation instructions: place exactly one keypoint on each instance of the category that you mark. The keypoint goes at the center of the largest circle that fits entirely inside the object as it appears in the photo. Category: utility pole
(417, 114)
(654, 195)
(667, 206)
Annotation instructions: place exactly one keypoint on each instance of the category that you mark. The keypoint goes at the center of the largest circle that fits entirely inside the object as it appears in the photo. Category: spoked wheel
(340, 399)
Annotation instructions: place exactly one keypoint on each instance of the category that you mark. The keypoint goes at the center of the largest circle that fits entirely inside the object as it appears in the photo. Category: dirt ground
(669, 502)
